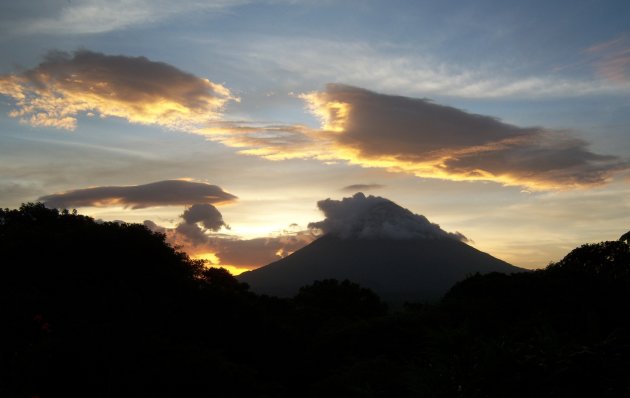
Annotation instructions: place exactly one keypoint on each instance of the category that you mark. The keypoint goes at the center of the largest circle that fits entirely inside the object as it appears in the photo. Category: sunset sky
(223, 123)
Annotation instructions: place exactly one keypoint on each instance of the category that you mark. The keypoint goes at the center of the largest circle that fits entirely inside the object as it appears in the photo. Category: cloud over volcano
(374, 217)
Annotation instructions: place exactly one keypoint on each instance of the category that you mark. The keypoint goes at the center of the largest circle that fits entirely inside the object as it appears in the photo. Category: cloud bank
(161, 193)
(142, 91)
(430, 140)
(374, 217)
(399, 134)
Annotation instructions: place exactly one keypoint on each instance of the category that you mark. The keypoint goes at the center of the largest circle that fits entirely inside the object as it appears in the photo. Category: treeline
(109, 310)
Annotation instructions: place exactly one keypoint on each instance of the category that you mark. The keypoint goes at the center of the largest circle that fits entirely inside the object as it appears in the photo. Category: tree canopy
(109, 309)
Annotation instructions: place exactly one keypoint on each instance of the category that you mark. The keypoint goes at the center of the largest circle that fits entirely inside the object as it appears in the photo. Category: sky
(227, 124)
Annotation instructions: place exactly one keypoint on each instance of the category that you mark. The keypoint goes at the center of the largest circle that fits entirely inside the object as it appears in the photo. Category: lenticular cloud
(374, 217)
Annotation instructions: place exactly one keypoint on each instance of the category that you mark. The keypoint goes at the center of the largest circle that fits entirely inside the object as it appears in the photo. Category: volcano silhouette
(399, 255)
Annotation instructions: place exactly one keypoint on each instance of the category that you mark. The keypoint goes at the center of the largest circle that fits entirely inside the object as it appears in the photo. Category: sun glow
(213, 261)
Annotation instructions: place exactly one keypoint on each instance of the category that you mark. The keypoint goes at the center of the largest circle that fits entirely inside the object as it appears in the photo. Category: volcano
(376, 243)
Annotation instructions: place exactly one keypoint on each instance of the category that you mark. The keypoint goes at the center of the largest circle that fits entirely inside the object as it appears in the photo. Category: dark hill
(396, 269)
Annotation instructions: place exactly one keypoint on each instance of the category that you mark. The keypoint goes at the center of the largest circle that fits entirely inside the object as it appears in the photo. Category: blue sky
(556, 74)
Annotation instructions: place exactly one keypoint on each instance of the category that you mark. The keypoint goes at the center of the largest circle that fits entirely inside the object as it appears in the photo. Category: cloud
(197, 220)
(392, 67)
(374, 217)
(612, 59)
(61, 17)
(206, 214)
(142, 91)
(253, 253)
(431, 140)
(361, 187)
(231, 250)
(154, 227)
(161, 193)
(198, 235)
(273, 142)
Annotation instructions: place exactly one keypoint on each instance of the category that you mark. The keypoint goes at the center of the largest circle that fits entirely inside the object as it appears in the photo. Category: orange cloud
(273, 142)
(142, 91)
(429, 140)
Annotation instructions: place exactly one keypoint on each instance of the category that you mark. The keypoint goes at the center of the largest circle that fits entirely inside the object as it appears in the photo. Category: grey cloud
(257, 252)
(201, 213)
(192, 233)
(361, 187)
(63, 17)
(232, 250)
(154, 227)
(161, 193)
(374, 217)
(206, 214)
(432, 140)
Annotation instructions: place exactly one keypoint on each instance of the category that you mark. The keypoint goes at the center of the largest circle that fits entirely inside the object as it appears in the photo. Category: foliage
(109, 309)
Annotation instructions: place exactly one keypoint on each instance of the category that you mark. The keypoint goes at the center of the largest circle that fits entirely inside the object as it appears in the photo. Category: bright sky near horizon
(223, 123)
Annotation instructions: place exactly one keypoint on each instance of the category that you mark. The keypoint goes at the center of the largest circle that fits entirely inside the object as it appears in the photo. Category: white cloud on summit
(374, 217)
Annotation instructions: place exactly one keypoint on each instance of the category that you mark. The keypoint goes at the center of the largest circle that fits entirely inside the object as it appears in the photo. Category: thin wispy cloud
(612, 59)
(59, 17)
(361, 187)
(393, 68)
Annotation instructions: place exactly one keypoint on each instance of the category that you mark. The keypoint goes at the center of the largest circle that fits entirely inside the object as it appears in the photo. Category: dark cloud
(205, 214)
(191, 233)
(253, 253)
(154, 227)
(161, 193)
(361, 187)
(135, 88)
(372, 217)
(197, 220)
(197, 235)
(431, 140)
(232, 250)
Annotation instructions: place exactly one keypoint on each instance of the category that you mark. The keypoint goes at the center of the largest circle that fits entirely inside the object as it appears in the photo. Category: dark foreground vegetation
(110, 310)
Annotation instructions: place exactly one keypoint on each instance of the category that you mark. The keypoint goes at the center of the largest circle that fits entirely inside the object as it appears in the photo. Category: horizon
(228, 124)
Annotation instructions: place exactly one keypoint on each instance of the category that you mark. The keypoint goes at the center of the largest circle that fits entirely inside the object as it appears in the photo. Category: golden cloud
(273, 142)
(142, 91)
(429, 140)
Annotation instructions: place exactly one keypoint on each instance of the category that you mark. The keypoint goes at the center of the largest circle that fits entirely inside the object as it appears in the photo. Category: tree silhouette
(109, 309)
